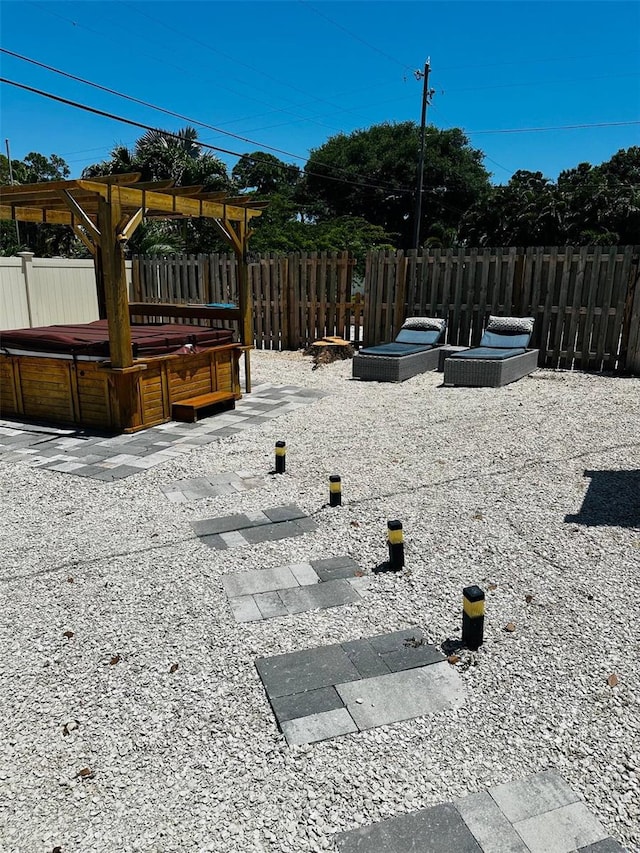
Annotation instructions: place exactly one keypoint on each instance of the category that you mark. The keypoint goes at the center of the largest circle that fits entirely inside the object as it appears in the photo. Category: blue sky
(289, 75)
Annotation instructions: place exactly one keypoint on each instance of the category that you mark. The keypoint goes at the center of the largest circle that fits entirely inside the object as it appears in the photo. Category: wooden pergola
(104, 212)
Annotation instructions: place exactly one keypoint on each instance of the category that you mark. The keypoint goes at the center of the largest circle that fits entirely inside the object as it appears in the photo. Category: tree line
(358, 192)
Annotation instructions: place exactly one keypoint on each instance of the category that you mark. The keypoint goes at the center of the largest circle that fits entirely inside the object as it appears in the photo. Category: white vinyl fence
(46, 291)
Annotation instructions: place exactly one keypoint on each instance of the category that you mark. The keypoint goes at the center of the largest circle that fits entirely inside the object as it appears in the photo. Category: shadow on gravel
(613, 499)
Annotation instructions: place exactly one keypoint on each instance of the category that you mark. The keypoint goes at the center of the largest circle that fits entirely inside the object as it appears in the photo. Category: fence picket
(586, 302)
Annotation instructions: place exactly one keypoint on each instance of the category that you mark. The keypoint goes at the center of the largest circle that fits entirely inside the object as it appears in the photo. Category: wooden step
(188, 410)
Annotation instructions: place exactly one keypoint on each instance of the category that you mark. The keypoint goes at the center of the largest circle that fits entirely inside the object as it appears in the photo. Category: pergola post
(246, 318)
(114, 281)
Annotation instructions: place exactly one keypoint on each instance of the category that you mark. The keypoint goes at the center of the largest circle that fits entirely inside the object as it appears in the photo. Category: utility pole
(11, 182)
(426, 95)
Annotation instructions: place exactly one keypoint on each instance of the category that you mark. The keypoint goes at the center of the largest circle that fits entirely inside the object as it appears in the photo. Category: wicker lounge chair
(415, 350)
(502, 356)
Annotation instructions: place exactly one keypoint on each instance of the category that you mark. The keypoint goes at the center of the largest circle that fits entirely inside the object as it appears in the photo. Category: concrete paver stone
(270, 605)
(562, 830)
(438, 829)
(533, 796)
(259, 580)
(285, 513)
(322, 595)
(489, 826)
(402, 695)
(309, 669)
(305, 704)
(245, 609)
(365, 658)
(317, 727)
(304, 573)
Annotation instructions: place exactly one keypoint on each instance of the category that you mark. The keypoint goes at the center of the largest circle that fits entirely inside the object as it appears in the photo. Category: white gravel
(190, 759)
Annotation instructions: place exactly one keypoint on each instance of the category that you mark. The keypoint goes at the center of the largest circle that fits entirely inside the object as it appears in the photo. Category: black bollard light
(395, 540)
(281, 457)
(335, 490)
(472, 617)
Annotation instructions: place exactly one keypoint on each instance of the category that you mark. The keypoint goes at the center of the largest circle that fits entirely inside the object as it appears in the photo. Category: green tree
(162, 155)
(524, 212)
(265, 174)
(372, 174)
(587, 205)
(43, 240)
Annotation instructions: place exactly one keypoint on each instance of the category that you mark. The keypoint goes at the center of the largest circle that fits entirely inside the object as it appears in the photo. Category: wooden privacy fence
(296, 298)
(585, 301)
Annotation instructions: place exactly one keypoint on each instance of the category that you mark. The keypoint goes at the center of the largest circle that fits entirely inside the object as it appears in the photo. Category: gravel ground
(109, 747)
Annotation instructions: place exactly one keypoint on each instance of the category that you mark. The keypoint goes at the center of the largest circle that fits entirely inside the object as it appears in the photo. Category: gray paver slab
(411, 656)
(304, 525)
(334, 563)
(439, 829)
(489, 826)
(308, 669)
(330, 594)
(608, 845)
(402, 695)
(269, 532)
(394, 642)
(209, 526)
(304, 574)
(365, 658)
(533, 795)
(335, 567)
(285, 513)
(245, 609)
(258, 580)
(233, 539)
(317, 727)
(270, 605)
(258, 518)
(338, 573)
(216, 541)
(562, 830)
(305, 704)
(220, 490)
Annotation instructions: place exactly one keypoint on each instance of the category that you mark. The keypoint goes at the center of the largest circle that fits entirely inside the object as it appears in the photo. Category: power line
(131, 122)
(166, 64)
(170, 112)
(356, 37)
(147, 104)
(233, 59)
(557, 127)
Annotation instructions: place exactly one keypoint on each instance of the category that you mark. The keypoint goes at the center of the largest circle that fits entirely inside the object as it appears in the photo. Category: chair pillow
(425, 324)
(510, 325)
(420, 337)
(493, 339)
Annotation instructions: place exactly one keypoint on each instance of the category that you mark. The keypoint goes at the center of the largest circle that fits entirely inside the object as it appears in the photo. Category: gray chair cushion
(418, 337)
(393, 349)
(489, 353)
(504, 340)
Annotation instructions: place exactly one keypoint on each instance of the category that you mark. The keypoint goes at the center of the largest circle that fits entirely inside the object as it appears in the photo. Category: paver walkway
(269, 525)
(538, 814)
(334, 690)
(194, 488)
(318, 584)
(90, 454)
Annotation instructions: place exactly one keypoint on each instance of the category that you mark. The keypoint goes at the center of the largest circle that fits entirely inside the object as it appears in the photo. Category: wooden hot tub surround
(84, 389)
(127, 387)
